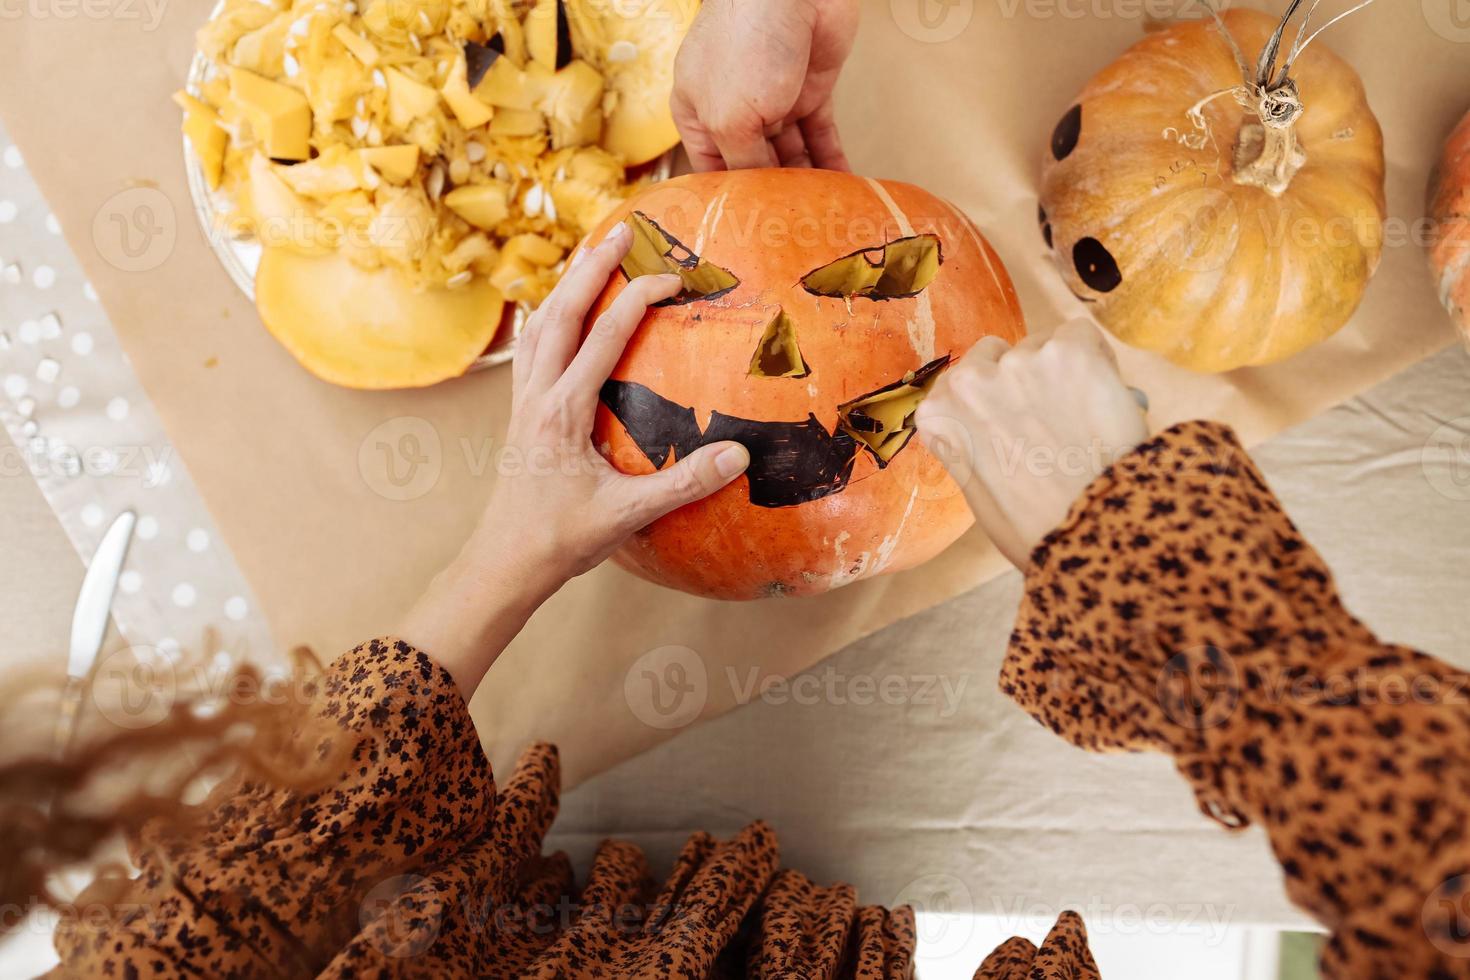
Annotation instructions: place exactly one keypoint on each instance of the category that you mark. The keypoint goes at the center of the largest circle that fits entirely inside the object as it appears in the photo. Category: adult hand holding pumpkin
(753, 83)
(558, 508)
(1025, 429)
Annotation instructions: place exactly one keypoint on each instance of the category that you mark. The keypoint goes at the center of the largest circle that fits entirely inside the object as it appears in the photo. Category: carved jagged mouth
(790, 462)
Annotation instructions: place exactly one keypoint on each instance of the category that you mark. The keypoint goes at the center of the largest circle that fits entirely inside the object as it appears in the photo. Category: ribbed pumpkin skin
(1216, 275)
(770, 228)
(1449, 210)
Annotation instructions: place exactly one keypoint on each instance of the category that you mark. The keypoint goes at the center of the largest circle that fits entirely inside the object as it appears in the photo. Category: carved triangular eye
(656, 252)
(778, 355)
(903, 267)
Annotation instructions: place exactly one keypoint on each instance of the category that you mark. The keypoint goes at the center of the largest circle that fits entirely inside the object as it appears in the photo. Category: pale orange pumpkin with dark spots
(1216, 194)
(819, 308)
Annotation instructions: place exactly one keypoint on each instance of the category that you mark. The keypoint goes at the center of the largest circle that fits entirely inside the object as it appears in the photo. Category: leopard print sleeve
(413, 863)
(271, 881)
(1064, 955)
(1177, 609)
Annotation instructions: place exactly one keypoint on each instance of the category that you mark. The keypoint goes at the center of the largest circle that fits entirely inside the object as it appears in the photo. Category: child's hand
(1025, 430)
(558, 508)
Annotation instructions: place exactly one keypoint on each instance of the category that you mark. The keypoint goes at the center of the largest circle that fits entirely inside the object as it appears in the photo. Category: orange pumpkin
(1449, 213)
(1217, 212)
(818, 309)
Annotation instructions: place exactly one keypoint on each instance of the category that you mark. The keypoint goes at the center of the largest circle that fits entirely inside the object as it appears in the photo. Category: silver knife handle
(69, 713)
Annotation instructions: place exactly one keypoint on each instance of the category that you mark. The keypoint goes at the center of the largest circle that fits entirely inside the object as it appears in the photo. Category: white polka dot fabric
(81, 425)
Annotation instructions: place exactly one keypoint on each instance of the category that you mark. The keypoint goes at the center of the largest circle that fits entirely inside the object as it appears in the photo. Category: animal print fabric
(416, 865)
(1177, 609)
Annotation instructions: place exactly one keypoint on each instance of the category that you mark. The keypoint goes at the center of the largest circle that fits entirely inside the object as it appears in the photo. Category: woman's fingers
(520, 366)
(954, 436)
(692, 478)
(704, 155)
(819, 131)
(559, 318)
(791, 147)
(606, 340)
(1086, 335)
(741, 137)
(988, 349)
(525, 352)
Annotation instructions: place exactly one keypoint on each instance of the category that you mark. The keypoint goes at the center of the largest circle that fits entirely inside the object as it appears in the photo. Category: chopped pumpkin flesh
(395, 164)
(408, 98)
(517, 122)
(485, 205)
(201, 126)
(549, 35)
(573, 106)
(362, 49)
(637, 65)
(279, 116)
(505, 86)
(903, 267)
(470, 111)
(883, 421)
(371, 117)
(656, 252)
(778, 355)
(533, 249)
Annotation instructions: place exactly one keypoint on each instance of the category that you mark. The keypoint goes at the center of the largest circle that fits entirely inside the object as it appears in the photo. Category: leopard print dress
(1175, 610)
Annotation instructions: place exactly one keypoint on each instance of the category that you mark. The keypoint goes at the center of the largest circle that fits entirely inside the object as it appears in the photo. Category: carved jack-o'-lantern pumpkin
(818, 309)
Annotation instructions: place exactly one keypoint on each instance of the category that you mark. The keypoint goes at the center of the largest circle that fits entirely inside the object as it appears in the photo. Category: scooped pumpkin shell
(372, 329)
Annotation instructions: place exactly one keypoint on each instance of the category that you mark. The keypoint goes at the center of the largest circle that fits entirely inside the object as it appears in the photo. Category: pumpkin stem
(1267, 154)
(1245, 70)
(1266, 66)
(1301, 45)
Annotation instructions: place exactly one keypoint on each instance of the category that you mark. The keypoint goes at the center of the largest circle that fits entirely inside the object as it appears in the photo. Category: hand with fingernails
(557, 508)
(753, 83)
(1024, 430)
